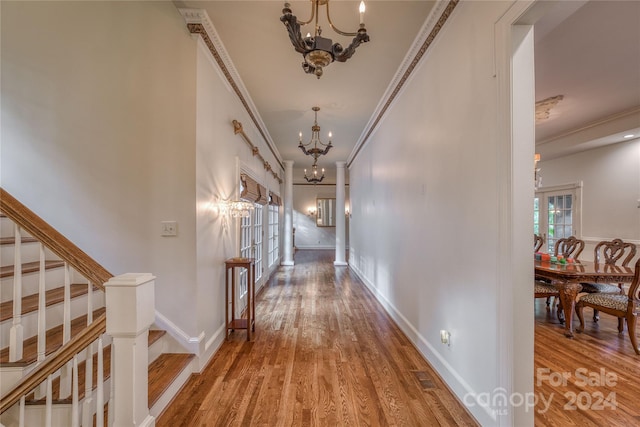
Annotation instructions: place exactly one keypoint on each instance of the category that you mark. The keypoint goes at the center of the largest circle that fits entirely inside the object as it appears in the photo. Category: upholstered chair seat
(543, 289)
(624, 307)
(613, 301)
(603, 288)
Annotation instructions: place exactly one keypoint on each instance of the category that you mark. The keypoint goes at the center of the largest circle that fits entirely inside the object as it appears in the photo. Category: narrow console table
(243, 322)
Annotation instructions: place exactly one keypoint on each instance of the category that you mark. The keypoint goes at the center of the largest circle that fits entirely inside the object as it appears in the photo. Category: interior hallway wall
(425, 197)
(105, 134)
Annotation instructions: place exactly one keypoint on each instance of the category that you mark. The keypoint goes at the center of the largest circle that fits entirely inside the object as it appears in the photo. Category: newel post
(130, 312)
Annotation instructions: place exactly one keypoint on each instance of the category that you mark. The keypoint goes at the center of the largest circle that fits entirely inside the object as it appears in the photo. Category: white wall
(308, 235)
(428, 183)
(106, 133)
(220, 155)
(610, 193)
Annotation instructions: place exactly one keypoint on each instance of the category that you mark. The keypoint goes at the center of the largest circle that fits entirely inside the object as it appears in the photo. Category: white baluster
(112, 389)
(21, 416)
(42, 319)
(49, 403)
(75, 416)
(89, 303)
(16, 332)
(66, 322)
(65, 371)
(87, 405)
(100, 387)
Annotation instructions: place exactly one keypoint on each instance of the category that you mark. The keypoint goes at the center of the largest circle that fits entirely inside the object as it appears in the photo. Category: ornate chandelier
(314, 174)
(319, 51)
(315, 139)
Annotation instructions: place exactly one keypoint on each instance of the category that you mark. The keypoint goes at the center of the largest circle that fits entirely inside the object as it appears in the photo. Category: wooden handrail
(53, 240)
(54, 362)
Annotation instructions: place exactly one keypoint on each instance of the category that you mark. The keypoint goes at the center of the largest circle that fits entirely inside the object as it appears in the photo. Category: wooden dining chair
(623, 306)
(568, 247)
(538, 241)
(614, 252)
(542, 288)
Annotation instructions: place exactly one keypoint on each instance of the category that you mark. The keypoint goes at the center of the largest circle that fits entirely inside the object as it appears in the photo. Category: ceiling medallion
(315, 139)
(318, 51)
(543, 108)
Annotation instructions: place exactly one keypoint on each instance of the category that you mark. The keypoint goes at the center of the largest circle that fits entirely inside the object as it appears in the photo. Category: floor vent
(424, 379)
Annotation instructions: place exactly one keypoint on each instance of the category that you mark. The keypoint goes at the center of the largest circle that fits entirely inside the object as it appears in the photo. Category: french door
(556, 214)
(251, 231)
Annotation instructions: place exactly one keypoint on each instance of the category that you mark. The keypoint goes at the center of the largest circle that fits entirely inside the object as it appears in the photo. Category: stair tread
(30, 267)
(163, 371)
(155, 335)
(52, 296)
(54, 339)
(12, 240)
(55, 385)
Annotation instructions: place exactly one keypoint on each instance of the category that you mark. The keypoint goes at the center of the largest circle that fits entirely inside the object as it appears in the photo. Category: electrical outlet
(169, 228)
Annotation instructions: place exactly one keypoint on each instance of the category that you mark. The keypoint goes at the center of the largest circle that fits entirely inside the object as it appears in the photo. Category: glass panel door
(555, 215)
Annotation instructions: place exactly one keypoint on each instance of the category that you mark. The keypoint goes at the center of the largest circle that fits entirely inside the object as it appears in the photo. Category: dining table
(567, 278)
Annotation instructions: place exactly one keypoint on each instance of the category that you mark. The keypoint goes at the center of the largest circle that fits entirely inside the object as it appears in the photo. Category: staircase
(52, 331)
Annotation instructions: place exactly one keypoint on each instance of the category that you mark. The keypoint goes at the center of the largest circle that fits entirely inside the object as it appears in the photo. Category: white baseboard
(449, 375)
(315, 247)
(191, 344)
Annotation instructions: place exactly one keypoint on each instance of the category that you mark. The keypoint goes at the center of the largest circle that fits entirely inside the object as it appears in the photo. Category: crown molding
(198, 23)
(430, 29)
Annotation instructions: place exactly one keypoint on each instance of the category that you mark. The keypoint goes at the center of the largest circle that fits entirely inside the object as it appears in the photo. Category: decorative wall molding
(237, 129)
(431, 28)
(198, 22)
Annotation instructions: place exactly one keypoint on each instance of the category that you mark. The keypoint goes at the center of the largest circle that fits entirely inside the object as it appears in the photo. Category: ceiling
(587, 51)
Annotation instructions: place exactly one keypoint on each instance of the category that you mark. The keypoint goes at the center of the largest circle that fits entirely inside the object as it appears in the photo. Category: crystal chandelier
(315, 139)
(319, 51)
(314, 178)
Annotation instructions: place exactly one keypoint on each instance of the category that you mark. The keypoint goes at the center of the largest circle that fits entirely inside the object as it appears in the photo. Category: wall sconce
(312, 211)
(235, 209)
(346, 211)
(537, 178)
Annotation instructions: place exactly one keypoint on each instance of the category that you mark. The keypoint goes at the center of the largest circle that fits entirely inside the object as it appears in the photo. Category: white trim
(200, 16)
(207, 54)
(316, 247)
(460, 387)
(560, 187)
(596, 240)
(191, 344)
(510, 371)
(415, 47)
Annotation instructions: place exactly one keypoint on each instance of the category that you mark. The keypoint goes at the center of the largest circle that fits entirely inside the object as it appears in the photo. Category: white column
(288, 213)
(130, 301)
(340, 221)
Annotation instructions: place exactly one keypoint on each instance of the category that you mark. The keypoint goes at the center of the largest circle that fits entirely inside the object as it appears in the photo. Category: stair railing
(65, 359)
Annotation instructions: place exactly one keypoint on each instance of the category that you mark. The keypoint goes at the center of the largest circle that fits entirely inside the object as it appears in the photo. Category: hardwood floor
(324, 353)
(602, 373)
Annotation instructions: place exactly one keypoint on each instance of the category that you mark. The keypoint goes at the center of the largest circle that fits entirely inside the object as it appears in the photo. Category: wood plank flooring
(602, 373)
(324, 353)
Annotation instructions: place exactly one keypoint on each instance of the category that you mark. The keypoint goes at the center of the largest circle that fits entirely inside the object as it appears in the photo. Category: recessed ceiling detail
(543, 108)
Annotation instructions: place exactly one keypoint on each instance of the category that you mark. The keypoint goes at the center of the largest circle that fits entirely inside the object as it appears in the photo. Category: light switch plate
(169, 228)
